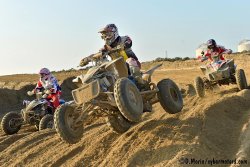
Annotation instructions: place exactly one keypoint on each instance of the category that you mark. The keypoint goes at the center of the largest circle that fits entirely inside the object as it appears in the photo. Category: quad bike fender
(203, 69)
(147, 74)
(87, 92)
(231, 63)
(34, 103)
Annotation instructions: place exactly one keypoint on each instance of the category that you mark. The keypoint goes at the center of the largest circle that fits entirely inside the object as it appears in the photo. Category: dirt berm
(216, 126)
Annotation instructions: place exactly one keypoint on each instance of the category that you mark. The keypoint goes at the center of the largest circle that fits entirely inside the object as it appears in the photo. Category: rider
(214, 52)
(113, 41)
(48, 82)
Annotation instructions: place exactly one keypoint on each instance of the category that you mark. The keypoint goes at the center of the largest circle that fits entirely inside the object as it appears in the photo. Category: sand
(216, 126)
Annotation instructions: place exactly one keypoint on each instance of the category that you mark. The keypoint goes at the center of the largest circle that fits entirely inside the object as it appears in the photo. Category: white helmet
(44, 73)
(109, 33)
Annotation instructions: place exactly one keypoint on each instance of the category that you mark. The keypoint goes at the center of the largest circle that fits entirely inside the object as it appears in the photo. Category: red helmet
(109, 33)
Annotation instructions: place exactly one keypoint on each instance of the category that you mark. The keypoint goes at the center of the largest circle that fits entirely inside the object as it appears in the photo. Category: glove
(83, 62)
(47, 91)
(97, 55)
(30, 93)
(107, 48)
(45, 96)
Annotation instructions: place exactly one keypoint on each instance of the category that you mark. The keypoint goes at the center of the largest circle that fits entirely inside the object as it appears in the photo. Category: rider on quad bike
(52, 89)
(219, 71)
(107, 90)
(214, 52)
(38, 112)
(112, 41)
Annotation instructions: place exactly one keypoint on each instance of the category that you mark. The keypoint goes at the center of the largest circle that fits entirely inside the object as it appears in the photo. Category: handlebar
(99, 55)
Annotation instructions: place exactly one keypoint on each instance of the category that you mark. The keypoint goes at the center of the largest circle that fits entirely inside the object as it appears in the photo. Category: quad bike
(38, 112)
(107, 91)
(219, 73)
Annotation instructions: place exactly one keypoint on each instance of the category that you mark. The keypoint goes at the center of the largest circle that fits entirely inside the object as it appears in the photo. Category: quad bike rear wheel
(241, 79)
(64, 122)
(199, 86)
(169, 96)
(11, 123)
(118, 123)
(47, 122)
(128, 99)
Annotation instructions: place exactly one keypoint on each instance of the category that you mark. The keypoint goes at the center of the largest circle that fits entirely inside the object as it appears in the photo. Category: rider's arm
(39, 87)
(127, 46)
(128, 42)
(223, 51)
(54, 88)
(84, 61)
(226, 51)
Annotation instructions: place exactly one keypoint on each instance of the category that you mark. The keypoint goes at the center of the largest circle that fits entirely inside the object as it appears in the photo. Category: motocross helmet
(44, 73)
(109, 33)
(211, 44)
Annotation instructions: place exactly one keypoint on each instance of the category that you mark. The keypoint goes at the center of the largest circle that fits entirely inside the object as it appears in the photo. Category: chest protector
(121, 53)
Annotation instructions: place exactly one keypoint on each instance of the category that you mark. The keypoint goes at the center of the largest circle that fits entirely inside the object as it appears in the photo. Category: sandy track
(206, 128)
(216, 126)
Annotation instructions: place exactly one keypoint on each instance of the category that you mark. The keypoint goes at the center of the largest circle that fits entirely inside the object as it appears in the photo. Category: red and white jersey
(217, 53)
(50, 84)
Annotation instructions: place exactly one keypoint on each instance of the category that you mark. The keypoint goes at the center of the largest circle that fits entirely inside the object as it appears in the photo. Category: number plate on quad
(86, 92)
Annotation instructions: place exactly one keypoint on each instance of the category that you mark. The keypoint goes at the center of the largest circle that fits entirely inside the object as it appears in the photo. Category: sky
(57, 34)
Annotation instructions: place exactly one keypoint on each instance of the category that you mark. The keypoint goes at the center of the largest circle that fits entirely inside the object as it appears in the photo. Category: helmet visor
(210, 46)
(107, 35)
(42, 75)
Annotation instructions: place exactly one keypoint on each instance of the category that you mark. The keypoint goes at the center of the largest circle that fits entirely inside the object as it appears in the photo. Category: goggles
(43, 75)
(210, 46)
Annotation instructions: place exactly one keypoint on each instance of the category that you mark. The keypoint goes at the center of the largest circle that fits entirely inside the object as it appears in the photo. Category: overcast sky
(58, 33)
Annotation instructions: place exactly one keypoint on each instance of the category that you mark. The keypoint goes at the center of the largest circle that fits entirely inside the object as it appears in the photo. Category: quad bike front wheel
(241, 79)
(128, 99)
(199, 86)
(47, 122)
(118, 123)
(169, 96)
(11, 123)
(65, 125)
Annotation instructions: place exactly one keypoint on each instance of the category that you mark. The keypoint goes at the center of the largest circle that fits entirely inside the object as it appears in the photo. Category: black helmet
(211, 44)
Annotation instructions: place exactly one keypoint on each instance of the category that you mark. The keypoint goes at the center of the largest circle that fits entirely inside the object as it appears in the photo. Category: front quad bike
(219, 73)
(107, 91)
(38, 112)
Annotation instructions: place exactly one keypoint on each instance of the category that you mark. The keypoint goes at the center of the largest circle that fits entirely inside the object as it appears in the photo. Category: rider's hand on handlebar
(107, 48)
(30, 93)
(47, 91)
(45, 96)
(97, 55)
(83, 62)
